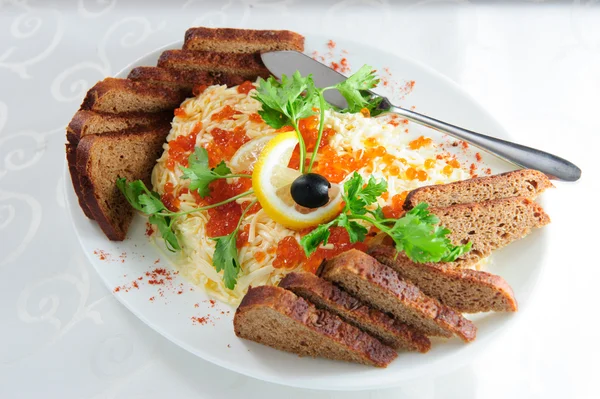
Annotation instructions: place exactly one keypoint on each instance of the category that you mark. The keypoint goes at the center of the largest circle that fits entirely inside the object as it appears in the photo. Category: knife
(287, 62)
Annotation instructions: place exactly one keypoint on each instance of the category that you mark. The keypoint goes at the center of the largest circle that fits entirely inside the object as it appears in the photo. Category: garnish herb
(201, 175)
(285, 103)
(417, 233)
(149, 203)
(225, 256)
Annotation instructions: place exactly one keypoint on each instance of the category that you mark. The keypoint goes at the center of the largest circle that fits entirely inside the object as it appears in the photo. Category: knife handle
(525, 157)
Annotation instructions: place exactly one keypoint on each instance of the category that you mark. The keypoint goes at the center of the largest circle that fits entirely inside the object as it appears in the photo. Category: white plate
(170, 314)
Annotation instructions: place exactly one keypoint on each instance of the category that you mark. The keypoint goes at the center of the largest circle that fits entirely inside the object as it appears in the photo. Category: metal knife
(288, 62)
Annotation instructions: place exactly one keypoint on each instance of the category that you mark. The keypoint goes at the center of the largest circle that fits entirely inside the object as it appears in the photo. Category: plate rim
(434, 366)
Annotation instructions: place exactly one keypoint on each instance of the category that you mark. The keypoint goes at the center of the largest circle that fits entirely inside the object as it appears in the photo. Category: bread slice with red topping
(278, 318)
(380, 286)
(229, 40)
(102, 159)
(327, 296)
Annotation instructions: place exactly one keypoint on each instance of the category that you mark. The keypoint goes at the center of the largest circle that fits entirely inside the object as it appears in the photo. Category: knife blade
(287, 62)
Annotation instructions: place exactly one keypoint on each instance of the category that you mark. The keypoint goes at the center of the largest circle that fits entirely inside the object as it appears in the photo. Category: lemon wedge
(272, 179)
(245, 157)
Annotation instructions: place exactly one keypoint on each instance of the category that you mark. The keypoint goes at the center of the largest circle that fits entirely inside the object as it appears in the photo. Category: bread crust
(71, 150)
(183, 79)
(386, 279)
(459, 282)
(242, 40)
(340, 302)
(90, 197)
(527, 183)
(322, 322)
(98, 97)
(249, 66)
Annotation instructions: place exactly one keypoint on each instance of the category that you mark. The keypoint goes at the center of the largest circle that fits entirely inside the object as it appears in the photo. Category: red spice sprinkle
(488, 171)
(117, 289)
(102, 255)
(151, 299)
(196, 305)
(149, 229)
(464, 144)
(135, 284)
(331, 44)
(478, 157)
(199, 320)
(157, 261)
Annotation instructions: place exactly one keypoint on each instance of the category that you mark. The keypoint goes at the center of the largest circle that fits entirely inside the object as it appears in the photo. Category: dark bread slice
(489, 225)
(468, 291)
(229, 40)
(183, 79)
(86, 122)
(278, 318)
(122, 96)
(381, 287)
(71, 150)
(325, 295)
(249, 66)
(528, 183)
(101, 159)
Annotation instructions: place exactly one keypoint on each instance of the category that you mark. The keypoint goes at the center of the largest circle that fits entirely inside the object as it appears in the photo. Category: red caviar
(226, 113)
(180, 112)
(224, 218)
(198, 89)
(289, 254)
(256, 118)
(419, 142)
(181, 148)
(395, 210)
(245, 87)
(225, 143)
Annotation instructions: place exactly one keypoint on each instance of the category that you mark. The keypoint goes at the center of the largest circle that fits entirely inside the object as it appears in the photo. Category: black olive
(310, 190)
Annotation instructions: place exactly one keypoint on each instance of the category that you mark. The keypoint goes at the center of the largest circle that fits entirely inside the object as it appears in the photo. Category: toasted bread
(86, 122)
(526, 183)
(466, 290)
(278, 318)
(489, 225)
(229, 40)
(327, 296)
(249, 66)
(102, 159)
(184, 79)
(381, 287)
(123, 96)
(71, 150)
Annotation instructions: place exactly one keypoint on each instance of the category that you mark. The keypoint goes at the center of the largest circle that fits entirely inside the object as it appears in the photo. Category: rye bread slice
(71, 151)
(528, 183)
(278, 318)
(122, 96)
(468, 291)
(249, 66)
(229, 40)
(102, 159)
(185, 79)
(489, 225)
(381, 287)
(325, 295)
(86, 122)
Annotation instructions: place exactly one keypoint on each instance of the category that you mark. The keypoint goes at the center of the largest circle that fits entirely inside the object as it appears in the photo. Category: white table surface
(63, 335)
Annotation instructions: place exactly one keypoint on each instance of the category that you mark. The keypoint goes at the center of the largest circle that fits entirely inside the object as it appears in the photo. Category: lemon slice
(272, 179)
(245, 157)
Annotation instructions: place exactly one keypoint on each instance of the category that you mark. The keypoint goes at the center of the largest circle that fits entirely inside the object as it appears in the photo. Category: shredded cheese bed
(353, 133)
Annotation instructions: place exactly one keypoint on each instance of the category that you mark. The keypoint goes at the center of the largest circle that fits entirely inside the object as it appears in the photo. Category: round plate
(186, 316)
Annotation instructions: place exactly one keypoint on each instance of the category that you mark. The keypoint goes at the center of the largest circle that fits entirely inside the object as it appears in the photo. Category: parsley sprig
(417, 233)
(285, 103)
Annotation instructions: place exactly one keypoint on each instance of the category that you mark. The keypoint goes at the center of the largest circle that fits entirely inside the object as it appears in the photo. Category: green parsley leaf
(151, 203)
(353, 89)
(140, 197)
(200, 174)
(357, 197)
(357, 232)
(311, 241)
(164, 226)
(225, 258)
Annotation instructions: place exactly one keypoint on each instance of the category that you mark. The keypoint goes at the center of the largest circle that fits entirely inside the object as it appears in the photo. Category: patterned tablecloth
(63, 335)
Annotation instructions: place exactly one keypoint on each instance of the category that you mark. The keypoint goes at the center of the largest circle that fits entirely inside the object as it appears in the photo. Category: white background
(536, 67)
